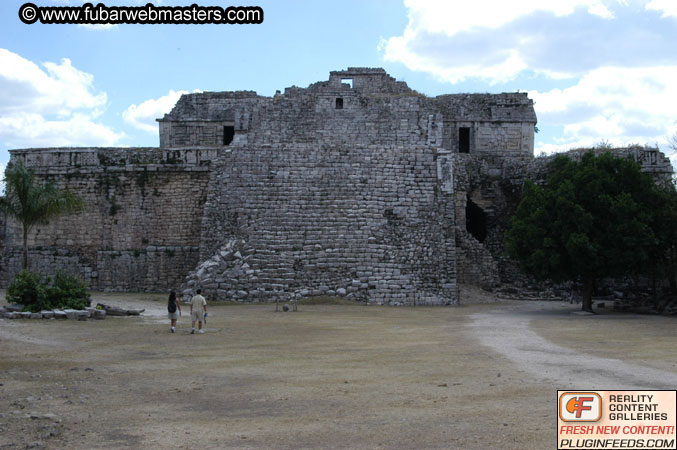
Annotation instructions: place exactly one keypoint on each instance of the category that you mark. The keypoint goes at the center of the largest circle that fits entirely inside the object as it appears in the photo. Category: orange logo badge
(580, 407)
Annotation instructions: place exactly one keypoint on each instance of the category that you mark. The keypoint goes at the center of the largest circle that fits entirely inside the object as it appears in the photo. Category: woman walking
(172, 306)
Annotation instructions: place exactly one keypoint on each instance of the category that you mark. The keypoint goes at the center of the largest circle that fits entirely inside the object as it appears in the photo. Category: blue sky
(598, 70)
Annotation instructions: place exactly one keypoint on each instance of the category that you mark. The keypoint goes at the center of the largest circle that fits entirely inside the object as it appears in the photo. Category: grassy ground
(329, 376)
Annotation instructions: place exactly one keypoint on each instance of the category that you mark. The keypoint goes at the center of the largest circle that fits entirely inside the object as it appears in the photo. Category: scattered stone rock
(45, 416)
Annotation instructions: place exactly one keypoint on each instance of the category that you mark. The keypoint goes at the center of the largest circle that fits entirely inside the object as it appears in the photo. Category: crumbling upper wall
(364, 103)
(495, 124)
(301, 116)
(366, 81)
(203, 119)
(505, 107)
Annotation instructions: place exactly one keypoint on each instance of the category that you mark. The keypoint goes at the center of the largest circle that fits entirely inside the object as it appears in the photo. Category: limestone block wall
(497, 124)
(507, 139)
(306, 115)
(367, 80)
(493, 186)
(199, 120)
(140, 228)
(406, 120)
(476, 266)
(206, 133)
(372, 221)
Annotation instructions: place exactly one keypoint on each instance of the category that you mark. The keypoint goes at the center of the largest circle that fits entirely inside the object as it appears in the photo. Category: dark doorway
(464, 140)
(339, 103)
(228, 133)
(475, 220)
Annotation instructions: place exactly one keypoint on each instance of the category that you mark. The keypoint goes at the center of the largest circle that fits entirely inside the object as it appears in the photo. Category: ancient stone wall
(141, 224)
(346, 187)
(372, 221)
(357, 186)
(499, 125)
(334, 188)
(359, 105)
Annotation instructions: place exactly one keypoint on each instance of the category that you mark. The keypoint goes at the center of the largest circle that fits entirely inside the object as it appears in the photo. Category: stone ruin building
(357, 186)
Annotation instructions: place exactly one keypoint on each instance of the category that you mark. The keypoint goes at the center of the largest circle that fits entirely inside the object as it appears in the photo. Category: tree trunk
(25, 255)
(671, 271)
(588, 286)
(654, 288)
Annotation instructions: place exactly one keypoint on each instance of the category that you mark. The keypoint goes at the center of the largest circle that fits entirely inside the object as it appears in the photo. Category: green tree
(664, 255)
(32, 202)
(590, 220)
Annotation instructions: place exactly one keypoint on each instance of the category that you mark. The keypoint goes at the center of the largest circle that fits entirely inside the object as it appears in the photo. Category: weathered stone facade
(355, 186)
(141, 225)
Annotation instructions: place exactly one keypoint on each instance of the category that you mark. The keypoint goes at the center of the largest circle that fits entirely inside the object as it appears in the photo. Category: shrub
(27, 289)
(63, 292)
(68, 291)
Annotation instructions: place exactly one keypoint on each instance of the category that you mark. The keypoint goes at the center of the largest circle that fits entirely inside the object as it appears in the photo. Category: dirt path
(329, 376)
(507, 330)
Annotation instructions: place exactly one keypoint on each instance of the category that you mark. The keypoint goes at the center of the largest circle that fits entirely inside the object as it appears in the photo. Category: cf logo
(580, 407)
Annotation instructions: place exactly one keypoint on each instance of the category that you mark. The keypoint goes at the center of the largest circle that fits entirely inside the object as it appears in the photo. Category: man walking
(198, 309)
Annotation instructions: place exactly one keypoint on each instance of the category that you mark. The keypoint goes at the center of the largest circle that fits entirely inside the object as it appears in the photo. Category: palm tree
(31, 202)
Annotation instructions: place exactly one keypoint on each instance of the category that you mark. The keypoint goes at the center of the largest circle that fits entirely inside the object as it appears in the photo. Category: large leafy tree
(664, 256)
(592, 219)
(32, 202)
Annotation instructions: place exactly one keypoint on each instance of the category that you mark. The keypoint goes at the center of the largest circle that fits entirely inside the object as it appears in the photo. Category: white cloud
(143, 116)
(668, 7)
(430, 18)
(60, 89)
(616, 104)
(441, 16)
(54, 106)
(28, 130)
(496, 41)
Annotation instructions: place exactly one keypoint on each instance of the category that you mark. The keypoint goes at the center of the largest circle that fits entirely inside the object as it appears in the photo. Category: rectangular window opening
(348, 81)
(464, 140)
(339, 103)
(228, 133)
